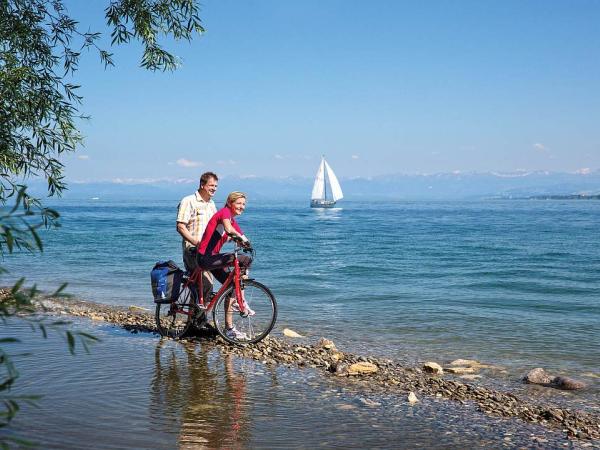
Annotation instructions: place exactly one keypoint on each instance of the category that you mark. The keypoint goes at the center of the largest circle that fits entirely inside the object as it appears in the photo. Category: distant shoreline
(553, 197)
(566, 197)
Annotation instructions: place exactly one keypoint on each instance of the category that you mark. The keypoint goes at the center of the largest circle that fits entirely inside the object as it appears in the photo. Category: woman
(216, 234)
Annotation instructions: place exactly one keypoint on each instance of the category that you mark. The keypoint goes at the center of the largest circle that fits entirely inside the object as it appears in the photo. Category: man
(193, 213)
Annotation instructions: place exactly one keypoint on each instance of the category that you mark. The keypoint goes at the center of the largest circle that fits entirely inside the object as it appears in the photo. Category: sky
(378, 87)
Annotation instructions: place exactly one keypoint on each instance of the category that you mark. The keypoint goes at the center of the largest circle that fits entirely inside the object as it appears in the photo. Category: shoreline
(368, 373)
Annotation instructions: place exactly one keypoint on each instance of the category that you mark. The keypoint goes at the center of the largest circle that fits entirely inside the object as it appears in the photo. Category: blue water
(514, 283)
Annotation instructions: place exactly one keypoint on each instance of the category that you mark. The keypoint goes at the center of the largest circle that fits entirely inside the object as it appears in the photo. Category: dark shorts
(216, 264)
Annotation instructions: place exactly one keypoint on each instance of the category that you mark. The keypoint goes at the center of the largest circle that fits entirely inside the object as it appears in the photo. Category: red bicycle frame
(195, 279)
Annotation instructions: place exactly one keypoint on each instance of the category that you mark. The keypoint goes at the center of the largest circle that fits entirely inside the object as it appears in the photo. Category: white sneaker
(234, 333)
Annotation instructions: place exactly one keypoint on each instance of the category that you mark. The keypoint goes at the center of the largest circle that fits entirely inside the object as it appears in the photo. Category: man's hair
(233, 196)
(207, 176)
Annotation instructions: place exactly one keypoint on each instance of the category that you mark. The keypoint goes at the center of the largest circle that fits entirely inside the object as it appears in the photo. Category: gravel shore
(370, 373)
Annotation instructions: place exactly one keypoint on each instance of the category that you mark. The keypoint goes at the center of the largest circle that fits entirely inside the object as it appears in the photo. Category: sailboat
(319, 197)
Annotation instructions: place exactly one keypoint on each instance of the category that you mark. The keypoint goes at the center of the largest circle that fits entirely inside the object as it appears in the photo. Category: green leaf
(71, 342)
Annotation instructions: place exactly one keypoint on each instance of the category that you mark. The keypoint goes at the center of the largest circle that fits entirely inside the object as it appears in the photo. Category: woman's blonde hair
(233, 196)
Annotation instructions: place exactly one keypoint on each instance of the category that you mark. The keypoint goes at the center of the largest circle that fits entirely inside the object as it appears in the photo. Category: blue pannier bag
(166, 279)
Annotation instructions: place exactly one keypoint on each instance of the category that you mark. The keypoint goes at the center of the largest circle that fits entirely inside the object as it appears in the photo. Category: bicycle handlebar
(239, 240)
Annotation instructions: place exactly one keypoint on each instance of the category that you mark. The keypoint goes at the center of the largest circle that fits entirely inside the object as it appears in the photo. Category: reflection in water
(328, 213)
(189, 395)
(204, 399)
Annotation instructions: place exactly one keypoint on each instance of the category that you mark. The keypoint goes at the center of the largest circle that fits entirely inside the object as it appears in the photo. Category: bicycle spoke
(255, 327)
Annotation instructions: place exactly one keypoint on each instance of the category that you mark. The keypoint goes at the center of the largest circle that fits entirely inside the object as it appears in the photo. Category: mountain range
(439, 186)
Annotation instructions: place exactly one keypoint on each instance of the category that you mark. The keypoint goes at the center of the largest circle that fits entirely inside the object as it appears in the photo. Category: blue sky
(379, 87)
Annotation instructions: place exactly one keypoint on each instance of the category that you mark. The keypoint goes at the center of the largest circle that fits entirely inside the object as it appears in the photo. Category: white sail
(318, 192)
(336, 190)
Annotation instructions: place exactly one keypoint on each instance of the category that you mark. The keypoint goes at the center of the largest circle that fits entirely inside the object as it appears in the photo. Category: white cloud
(188, 163)
(132, 180)
(354, 156)
(228, 162)
(539, 147)
(584, 171)
(139, 180)
(83, 157)
(278, 157)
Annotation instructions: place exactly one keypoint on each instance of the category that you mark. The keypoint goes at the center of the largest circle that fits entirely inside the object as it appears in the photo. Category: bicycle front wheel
(250, 329)
(175, 319)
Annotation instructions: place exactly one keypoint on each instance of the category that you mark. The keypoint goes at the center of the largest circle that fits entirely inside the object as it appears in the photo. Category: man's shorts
(190, 262)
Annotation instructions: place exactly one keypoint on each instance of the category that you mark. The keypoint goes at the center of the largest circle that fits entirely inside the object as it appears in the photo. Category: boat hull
(322, 203)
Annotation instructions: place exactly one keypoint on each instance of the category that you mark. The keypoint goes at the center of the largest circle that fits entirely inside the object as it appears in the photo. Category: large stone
(538, 376)
(460, 370)
(566, 383)
(433, 367)
(361, 368)
(291, 333)
(472, 363)
(412, 398)
(465, 362)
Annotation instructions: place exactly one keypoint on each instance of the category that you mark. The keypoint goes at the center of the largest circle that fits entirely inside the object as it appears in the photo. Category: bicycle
(175, 319)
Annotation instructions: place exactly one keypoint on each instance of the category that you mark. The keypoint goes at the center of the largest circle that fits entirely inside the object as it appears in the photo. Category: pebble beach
(456, 383)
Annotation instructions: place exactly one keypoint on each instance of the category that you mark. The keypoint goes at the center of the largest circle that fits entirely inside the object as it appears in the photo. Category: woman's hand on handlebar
(241, 240)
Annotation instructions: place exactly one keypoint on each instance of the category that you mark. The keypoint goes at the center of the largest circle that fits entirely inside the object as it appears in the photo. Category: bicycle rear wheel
(256, 327)
(175, 319)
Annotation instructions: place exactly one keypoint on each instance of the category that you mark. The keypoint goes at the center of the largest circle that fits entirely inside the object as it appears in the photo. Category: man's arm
(185, 234)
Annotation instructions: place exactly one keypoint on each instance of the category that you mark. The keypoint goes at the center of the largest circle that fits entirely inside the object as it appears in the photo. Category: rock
(412, 398)
(325, 343)
(470, 377)
(433, 367)
(291, 333)
(538, 376)
(460, 370)
(134, 308)
(361, 368)
(337, 356)
(472, 363)
(590, 375)
(465, 362)
(346, 407)
(341, 370)
(368, 402)
(566, 383)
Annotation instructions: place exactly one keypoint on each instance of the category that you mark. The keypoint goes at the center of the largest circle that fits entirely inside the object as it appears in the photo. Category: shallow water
(513, 283)
(137, 391)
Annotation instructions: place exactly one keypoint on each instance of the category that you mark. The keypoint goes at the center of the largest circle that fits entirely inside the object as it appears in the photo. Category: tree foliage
(40, 49)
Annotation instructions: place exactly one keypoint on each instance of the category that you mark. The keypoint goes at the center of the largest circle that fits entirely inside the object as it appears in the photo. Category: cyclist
(216, 234)
(193, 214)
